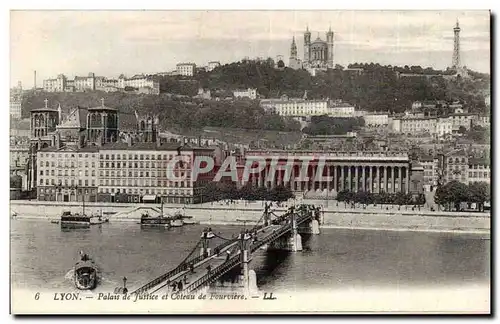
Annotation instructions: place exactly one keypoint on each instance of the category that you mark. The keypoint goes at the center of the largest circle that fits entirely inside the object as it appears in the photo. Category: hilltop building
(318, 54)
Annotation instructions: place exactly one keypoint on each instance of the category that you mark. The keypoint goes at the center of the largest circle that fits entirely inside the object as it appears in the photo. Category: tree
(452, 193)
(478, 193)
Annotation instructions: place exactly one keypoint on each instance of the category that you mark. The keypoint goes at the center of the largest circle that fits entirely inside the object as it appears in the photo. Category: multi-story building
(430, 166)
(92, 83)
(412, 125)
(353, 171)
(376, 119)
(248, 93)
(341, 109)
(63, 84)
(296, 107)
(479, 170)
(456, 166)
(141, 172)
(16, 99)
(186, 69)
(212, 65)
(444, 126)
(140, 81)
(19, 156)
(67, 174)
(463, 119)
(483, 120)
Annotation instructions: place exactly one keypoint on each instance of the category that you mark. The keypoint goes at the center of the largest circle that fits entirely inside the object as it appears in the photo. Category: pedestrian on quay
(191, 268)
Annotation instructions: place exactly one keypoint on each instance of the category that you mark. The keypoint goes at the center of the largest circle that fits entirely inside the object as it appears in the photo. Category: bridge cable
(227, 239)
(190, 253)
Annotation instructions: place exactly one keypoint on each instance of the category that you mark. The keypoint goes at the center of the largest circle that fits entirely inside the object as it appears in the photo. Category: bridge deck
(219, 264)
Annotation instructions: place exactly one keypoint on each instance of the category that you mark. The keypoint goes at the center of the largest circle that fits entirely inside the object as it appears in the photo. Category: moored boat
(176, 221)
(86, 273)
(189, 220)
(155, 221)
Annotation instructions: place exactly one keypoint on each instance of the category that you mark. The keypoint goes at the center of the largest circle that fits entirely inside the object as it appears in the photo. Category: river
(43, 254)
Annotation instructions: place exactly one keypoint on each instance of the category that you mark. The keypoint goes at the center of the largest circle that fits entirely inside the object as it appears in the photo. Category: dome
(319, 41)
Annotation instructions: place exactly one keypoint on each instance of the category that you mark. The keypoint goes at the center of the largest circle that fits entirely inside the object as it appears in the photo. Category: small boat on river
(69, 219)
(189, 220)
(86, 273)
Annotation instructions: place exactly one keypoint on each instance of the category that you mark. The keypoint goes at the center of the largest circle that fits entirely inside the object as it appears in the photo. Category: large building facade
(353, 171)
(121, 172)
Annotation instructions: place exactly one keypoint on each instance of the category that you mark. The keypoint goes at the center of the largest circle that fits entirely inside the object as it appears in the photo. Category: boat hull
(155, 222)
(86, 275)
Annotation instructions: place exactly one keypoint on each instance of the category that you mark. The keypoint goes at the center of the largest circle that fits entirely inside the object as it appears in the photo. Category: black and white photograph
(250, 162)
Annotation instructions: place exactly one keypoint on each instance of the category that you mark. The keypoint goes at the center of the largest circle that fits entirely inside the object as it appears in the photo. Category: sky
(110, 43)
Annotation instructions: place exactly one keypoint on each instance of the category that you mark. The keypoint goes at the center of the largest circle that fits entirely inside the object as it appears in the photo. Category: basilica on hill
(317, 54)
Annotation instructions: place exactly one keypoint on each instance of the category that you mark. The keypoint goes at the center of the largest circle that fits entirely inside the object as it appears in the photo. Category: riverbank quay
(236, 214)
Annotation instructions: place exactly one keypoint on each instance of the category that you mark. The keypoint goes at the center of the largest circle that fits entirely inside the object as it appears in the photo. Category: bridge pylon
(249, 275)
(295, 240)
(206, 235)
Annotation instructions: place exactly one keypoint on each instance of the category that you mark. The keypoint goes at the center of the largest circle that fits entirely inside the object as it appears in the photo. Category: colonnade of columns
(374, 178)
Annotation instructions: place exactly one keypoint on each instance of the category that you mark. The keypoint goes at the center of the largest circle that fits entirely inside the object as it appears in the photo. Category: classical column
(363, 179)
(327, 176)
(356, 178)
(407, 180)
(385, 178)
(342, 181)
(400, 181)
(349, 181)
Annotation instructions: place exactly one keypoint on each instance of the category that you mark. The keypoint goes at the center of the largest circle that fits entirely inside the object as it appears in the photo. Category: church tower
(293, 63)
(307, 45)
(147, 127)
(329, 41)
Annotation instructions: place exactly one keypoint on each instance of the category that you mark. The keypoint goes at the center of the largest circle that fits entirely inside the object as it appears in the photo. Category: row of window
(66, 182)
(485, 174)
(64, 155)
(145, 182)
(141, 157)
(67, 173)
(147, 174)
(142, 165)
(146, 191)
(67, 164)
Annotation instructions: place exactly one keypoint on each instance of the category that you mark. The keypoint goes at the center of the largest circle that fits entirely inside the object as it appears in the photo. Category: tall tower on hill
(456, 64)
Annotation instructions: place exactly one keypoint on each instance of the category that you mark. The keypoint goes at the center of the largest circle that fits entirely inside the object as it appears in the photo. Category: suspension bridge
(199, 270)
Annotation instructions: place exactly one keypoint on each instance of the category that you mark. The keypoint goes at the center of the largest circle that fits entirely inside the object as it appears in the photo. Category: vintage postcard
(250, 162)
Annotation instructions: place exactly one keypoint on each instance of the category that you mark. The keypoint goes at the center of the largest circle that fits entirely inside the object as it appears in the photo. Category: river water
(43, 254)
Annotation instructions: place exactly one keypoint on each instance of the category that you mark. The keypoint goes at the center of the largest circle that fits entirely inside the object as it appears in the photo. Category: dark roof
(43, 109)
(479, 161)
(70, 149)
(150, 147)
(102, 107)
(426, 157)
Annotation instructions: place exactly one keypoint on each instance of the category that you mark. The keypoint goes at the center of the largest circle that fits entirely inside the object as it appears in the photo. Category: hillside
(377, 88)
